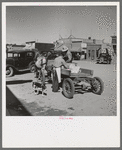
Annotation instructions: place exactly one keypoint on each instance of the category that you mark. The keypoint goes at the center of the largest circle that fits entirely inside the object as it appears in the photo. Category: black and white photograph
(62, 70)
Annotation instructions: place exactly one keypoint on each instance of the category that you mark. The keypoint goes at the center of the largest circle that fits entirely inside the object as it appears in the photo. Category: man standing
(67, 55)
(58, 63)
(37, 55)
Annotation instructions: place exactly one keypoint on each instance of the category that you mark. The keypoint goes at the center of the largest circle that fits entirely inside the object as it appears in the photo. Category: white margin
(85, 119)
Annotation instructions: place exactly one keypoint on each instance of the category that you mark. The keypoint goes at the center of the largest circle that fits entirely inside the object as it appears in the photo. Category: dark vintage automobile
(19, 60)
(104, 57)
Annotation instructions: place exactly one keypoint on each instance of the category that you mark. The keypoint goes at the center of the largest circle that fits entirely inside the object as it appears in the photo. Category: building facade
(42, 47)
(93, 51)
(114, 43)
(87, 48)
(10, 47)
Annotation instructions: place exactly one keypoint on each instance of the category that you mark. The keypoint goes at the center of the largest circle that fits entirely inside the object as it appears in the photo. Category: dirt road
(19, 92)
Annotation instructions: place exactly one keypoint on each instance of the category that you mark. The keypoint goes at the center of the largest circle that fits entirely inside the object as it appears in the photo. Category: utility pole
(60, 37)
(71, 32)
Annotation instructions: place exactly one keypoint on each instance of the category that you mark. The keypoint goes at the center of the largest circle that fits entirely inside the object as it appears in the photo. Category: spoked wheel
(108, 61)
(9, 71)
(97, 86)
(68, 88)
(101, 60)
(32, 68)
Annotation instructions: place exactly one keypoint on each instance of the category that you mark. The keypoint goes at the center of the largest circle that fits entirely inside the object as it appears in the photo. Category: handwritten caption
(66, 118)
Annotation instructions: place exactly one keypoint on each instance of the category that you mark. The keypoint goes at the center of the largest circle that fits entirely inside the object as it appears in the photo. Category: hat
(64, 48)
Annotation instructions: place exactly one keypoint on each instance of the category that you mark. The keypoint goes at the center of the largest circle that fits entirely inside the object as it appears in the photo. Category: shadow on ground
(15, 108)
(17, 82)
(37, 110)
(22, 72)
(13, 105)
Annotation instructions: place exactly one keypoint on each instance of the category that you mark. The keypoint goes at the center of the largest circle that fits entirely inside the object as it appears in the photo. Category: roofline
(18, 51)
(31, 42)
(18, 45)
(113, 36)
(81, 39)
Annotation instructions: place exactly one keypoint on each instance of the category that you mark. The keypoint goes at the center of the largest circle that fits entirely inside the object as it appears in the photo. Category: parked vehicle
(104, 57)
(19, 60)
(82, 81)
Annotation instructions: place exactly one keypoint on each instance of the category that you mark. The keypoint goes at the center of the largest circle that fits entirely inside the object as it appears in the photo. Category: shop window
(97, 53)
(114, 47)
(114, 41)
(92, 57)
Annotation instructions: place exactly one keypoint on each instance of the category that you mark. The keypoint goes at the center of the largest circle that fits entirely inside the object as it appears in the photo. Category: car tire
(9, 71)
(101, 60)
(97, 86)
(68, 88)
(32, 68)
(108, 61)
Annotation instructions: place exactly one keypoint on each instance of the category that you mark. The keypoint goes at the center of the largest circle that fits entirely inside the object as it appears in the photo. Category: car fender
(31, 63)
(8, 65)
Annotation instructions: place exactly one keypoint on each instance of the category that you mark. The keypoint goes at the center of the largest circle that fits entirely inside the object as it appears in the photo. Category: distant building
(92, 51)
(14, 47)
(114, 43)
(30, 45)
(42, 47)
(87, 48)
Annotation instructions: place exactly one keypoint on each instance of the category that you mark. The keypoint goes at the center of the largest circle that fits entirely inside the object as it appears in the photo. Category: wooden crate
(83, 73)
(65, 72)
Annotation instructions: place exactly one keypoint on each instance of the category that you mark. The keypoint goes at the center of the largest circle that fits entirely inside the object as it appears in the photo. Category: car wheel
(9, 71)
(109, 61)
(97, 86)
(101, 60)
(68, 88)
(32, 68)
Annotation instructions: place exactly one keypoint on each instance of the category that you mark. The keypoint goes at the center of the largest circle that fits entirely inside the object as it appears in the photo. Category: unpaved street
(19, 90)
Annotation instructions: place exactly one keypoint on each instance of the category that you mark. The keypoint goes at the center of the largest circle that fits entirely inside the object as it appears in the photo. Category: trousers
(55, 83)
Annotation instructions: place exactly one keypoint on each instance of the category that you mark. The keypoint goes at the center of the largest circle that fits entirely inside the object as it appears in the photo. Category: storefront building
(114, 43)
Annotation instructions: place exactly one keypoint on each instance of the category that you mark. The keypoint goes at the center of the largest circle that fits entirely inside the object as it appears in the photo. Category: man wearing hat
(58, 63)
(67, 55)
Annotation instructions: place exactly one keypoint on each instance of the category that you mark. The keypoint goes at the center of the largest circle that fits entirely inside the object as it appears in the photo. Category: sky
(45, 23)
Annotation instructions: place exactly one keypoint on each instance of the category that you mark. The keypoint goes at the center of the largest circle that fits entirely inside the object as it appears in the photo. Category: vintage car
(71, 82)
(19, 60)
(104, 57)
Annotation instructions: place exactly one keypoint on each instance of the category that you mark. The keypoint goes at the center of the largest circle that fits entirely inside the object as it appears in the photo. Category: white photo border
(20, 132)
